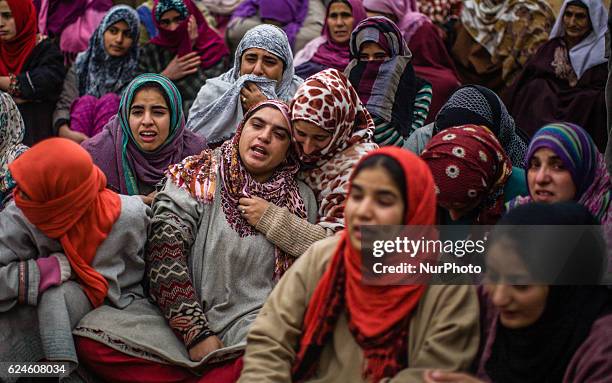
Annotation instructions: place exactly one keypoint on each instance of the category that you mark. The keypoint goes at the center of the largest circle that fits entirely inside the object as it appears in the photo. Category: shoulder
(133, 209)
(593, 359)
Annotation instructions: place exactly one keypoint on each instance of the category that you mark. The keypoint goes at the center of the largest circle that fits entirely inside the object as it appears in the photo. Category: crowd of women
(184, 188)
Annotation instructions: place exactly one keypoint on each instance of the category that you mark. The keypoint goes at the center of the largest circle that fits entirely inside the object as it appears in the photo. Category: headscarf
(586, 164)
(468, 165)
(511, 31)
(328, 100)
(198, 176)
(68, 201)
(97, 71)
(542, 351)
(478, 105)
(440, 11)
(116, 152)
(14, 53)
(408, 16)
(58, 14)
(209, 45)
(387, 88)
(590, 51)
(290, 13)
(217, 110)
(12, 131)
(378, 316)
(326, 52)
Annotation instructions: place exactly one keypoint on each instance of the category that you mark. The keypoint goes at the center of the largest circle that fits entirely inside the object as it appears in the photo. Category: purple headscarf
(290, 13)
(116, 152)
(62, 13)
(323, 50)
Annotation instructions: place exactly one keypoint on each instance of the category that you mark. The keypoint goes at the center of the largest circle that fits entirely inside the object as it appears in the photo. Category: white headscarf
(592, 49)
(217, 110)
(12, 131)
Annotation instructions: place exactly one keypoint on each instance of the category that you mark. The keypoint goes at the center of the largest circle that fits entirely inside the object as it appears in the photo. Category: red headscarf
(14, 53)
(209, 45)
(378, 315)
(67, 200)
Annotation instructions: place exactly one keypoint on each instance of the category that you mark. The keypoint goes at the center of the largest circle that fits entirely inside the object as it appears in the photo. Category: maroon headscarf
(208, 44)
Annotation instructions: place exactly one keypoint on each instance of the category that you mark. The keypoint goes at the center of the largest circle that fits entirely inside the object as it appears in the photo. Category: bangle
(13, 89)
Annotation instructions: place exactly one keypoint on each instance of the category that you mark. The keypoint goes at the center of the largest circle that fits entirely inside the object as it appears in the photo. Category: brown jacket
(443, 334)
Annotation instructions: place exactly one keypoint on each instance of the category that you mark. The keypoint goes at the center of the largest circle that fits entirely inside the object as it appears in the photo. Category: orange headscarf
(14, 53)
(66, 198)
(378, 315)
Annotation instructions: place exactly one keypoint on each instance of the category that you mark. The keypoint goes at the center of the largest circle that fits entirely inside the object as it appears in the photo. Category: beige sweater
(443, 333)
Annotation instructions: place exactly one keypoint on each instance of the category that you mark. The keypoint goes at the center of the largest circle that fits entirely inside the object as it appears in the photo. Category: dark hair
(156, 86)
(339, 1)
(390, 165)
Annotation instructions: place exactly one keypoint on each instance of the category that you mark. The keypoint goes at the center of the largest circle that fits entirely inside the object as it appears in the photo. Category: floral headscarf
(198, 176)
(468, 165)
(328, 100)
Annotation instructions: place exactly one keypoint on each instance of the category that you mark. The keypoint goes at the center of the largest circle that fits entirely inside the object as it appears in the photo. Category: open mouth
(544, 194)
(259, 151)
(148, 136)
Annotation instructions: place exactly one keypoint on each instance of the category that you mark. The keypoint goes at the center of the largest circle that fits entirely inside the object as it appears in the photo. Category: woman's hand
(437, 376)
(252, 209)
(250, 96)
(192, 29)
(205, 347)
(66, 132)
(180, 67)
(148, 199)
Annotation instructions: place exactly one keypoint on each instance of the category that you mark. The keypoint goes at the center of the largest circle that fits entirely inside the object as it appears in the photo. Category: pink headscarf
(323, 50)
(209, 44)
(406, 12)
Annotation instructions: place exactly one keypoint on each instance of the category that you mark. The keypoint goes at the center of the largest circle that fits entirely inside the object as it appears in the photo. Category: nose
(147, 118)
(500, 295)
(308, 146)
(258, 69)
(364, 210)
(542, 176)
(119, 39)
(265, 135)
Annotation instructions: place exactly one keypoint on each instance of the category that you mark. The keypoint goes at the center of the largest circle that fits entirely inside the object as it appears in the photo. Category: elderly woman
(381, 71)
(566, 78)
(93, 85)
(322, 323)
(144, 138)
(563, 164)
(263, 69)
(11, 135)
(209, 270)
(31, 68)
(331, 49)
(67, 245)
(538, 326)
(471, 170)
(495, 39)
(186, 50)
(430, 57)
(332, 130)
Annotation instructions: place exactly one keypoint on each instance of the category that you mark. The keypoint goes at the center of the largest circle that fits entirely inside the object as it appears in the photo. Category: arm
(275, 334)
(288, 231)
(171, 235)
(70, 92)
(422, 101)
(46, 79)
(444, 333)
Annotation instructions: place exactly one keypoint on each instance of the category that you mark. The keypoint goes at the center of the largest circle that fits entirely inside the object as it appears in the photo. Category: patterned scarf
(117, 153)
(511, 31)
(469, 164)
(198, 176)
(478, 105)
(387, 88)
(328, 100)
(378, 316)
(209, 45)
(12, 131)
(581, 158)
(99, 73)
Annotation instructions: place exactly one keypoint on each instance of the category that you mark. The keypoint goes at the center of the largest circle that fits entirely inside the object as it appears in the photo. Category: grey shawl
(41, 328)
(217, 111)
(231, 274)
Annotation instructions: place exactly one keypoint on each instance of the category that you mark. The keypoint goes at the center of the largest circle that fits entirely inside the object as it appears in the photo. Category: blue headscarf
(100, 73)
